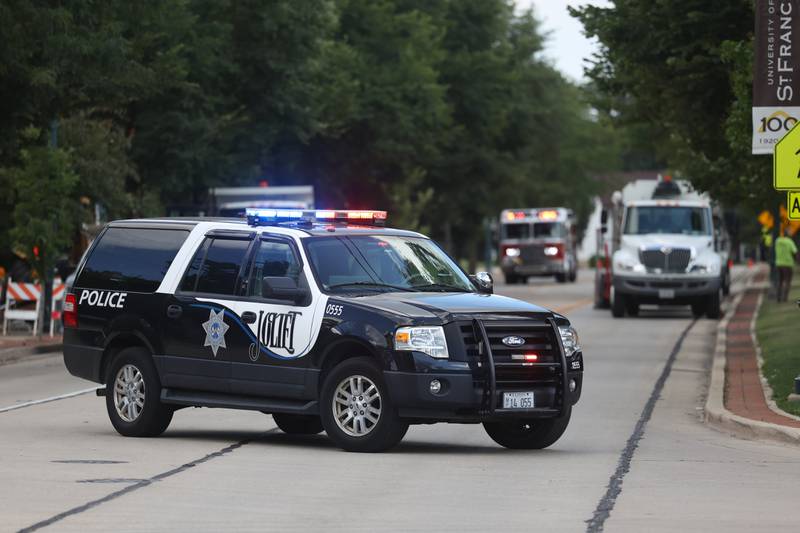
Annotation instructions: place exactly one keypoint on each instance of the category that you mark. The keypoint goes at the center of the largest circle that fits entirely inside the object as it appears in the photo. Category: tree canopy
(680, 71)
(441, 111)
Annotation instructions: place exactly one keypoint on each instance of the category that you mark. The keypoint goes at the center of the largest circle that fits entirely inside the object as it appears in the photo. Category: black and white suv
(324, 319)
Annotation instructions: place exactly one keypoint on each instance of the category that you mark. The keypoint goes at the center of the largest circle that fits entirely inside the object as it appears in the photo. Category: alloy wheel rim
(129, 393)
(356, 405)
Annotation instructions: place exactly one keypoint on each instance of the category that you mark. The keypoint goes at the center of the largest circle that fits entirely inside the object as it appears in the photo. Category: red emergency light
(515, 215)
(527, 357)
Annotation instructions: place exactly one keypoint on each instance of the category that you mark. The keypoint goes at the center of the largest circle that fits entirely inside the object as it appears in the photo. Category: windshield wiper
(441, 286)
(368, 284)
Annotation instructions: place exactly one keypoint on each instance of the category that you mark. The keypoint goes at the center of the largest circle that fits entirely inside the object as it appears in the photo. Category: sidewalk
(15, 347)
(737, 401)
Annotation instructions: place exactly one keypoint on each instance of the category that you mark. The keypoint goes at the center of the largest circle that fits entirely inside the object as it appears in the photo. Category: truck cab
(668, 255)
(538, 242)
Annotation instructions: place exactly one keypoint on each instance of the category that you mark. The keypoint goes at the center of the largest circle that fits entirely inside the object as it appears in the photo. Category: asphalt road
(635, 458)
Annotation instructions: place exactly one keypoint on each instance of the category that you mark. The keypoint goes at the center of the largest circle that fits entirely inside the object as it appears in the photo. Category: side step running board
(230, 401)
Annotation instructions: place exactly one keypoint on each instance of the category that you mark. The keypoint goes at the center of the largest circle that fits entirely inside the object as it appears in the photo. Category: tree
(44, 217)
(683, 70)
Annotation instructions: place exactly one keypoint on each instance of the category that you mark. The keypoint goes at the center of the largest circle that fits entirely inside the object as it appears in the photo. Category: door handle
(174, 311)
(249, 317)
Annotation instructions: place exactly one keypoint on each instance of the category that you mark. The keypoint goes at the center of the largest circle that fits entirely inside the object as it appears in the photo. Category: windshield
(551, 230)
(642, 220)
(381, 262)
(516, 230)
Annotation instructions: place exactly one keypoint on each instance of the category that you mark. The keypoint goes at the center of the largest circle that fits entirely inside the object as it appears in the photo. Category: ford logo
(513, 340)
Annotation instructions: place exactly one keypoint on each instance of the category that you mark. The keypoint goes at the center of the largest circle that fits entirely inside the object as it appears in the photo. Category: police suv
(327, 320)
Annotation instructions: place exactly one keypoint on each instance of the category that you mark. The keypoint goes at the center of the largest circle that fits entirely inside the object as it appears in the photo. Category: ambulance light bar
(267, 217)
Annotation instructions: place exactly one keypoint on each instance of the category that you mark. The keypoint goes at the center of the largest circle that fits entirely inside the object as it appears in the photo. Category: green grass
(779, 336)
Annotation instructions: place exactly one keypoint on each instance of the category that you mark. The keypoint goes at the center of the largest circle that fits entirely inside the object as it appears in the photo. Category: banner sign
(776, 92)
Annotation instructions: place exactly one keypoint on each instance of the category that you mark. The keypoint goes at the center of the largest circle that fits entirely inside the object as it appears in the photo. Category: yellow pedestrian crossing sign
(793, 205)
(786, 162)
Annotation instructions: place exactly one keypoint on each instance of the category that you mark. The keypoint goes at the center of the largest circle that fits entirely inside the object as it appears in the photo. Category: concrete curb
(13, 355)
(715, 413)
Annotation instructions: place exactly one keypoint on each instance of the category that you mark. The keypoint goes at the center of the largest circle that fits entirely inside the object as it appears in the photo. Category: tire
(132, 375)
(511, 279)
(726, 284)
(534, 434)
(714, 305)
(367, 435)
(573, 276)
(298, 424)
(561, 278)
(698, 309)
(631, 307)
(617, 305)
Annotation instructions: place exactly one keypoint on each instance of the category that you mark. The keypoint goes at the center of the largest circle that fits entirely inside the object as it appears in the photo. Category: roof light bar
(266, 217)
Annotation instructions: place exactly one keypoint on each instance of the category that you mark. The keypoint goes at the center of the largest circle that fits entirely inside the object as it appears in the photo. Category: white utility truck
(666, 246)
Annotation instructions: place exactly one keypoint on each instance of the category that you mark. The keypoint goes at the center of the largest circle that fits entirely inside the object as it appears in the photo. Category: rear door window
(131, 259)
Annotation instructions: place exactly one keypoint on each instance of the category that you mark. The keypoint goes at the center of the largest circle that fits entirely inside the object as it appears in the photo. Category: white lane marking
(46, 400)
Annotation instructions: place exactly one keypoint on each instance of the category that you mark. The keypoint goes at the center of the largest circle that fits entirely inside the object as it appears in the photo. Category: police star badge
(215, 331)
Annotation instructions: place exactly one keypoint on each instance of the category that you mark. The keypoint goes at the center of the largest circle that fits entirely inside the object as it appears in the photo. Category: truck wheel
(698, 309)
(298, 424)
(356, 410)
(133, 395)
(532, 434)
(714, 309)
(561, 278)
(617, 304)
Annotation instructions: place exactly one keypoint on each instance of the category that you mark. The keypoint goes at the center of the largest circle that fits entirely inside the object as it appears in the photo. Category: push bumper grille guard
(489, 402)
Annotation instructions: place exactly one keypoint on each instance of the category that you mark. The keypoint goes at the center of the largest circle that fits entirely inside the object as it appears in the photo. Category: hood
(700, 243)
(445, 304)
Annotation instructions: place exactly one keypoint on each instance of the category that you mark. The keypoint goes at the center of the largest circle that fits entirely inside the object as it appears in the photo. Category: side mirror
(484, 282)
(282, 288)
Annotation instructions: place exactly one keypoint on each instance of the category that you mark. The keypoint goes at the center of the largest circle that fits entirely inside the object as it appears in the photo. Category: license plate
(666, 294)
(518, 400)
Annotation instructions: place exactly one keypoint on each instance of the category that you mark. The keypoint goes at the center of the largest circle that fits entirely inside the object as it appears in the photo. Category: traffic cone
(750, 263)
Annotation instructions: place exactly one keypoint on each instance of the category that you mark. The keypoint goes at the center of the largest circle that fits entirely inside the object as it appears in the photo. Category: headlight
(512, 252)
(569, 338)
(429, 340)
(629, 266)
(709, 267)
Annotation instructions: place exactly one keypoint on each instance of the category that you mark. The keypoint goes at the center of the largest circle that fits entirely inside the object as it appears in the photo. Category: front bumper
(463, 396)
(679, 290)
(546, 268)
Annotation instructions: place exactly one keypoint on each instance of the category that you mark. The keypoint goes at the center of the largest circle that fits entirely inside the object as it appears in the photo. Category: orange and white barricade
(17, 295)
(57, 304)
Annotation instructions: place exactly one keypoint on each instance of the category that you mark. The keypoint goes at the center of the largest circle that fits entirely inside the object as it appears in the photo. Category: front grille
(675, 260)
(532, 254)
(544, 376)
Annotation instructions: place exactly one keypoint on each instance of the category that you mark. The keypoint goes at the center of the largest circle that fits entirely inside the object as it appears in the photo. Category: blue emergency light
(270, 217)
